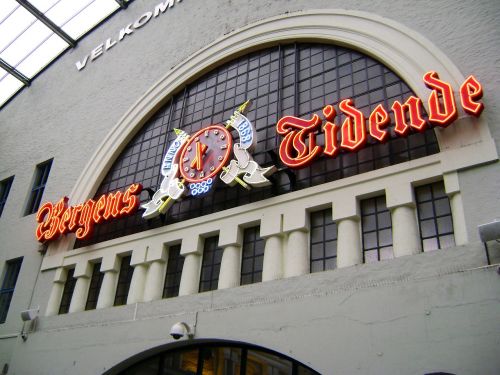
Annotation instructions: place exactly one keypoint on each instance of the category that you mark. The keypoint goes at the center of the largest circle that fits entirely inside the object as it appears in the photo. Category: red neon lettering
(130, 199)
(58, 219)
(43, 217)
(86, 221)
(353, 127)
(379, 120)
(75, 217)
(294, 151)
(65, 219)
(100, 206)
(331, 132)
(411, 106)
(471, 91)
(442, 108)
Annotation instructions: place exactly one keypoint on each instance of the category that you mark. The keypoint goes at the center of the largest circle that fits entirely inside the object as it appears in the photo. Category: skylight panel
(9, 85)
(42, 56)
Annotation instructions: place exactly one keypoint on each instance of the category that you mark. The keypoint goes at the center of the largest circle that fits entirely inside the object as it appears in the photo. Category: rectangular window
(210, 267)
(12, 268)
(323, 241)
(434, 217)
(252, 256)
(4, 191)
(41, 177)
(124, 279)
(376, 229)
(95, 287)
(69, 288)
(174, 272)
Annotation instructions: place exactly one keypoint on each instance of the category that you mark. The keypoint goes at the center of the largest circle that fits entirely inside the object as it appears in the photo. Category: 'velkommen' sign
(193, 162)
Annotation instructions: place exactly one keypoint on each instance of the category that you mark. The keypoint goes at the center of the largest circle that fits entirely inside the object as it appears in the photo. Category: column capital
(83, 269)
(271, 223)
(295, 219)
(230, 235)
(139, 256)
(192, 244)
(60, 275)
(345, 207)
(399, 194)
(157, 252)
(451, 183)
(110, 263)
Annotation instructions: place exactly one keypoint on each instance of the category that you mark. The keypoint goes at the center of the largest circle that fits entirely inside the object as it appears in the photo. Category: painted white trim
(466, 143)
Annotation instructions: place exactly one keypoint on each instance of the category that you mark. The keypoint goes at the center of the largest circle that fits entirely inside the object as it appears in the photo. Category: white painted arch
(401, 49)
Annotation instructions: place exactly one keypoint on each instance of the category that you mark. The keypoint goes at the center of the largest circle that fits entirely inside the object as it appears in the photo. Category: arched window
(214, 358)
(294, 79)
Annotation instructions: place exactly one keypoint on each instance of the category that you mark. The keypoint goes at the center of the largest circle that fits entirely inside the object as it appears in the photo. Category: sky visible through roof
(27, 45)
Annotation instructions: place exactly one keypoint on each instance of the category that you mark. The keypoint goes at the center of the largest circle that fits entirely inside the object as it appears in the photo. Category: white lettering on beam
(127, 30)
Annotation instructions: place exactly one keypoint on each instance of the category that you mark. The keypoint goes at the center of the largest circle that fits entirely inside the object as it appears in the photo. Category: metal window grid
(323, 241)
(376, 227)
(434, 217)
(69, 288)
(12, 269)
(252, 256)
(294, 79)
(124, 279)
(95, 287)
(5, 186)
(210, 267)
(41, 177)
(174, 272)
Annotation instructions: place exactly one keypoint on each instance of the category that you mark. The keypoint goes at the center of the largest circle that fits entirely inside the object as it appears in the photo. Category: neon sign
(59, 219)
(192, 163)
(298, 147)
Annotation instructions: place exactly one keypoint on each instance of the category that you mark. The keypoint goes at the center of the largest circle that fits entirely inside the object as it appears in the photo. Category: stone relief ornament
(192, 163)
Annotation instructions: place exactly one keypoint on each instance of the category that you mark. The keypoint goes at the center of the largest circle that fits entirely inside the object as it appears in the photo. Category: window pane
(226, 361)
(323, 241)
(180, 362)
(69, 287)
(261, 363)
(124, 279)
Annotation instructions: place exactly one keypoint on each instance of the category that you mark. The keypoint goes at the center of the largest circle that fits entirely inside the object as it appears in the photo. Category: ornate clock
(192, 163)
(205, 154)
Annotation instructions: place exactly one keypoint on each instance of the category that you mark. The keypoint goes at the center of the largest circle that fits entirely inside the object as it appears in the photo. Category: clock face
(205, 153)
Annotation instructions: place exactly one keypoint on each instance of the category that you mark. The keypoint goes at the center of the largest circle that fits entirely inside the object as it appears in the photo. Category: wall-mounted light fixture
(489, 232)
(31, 317)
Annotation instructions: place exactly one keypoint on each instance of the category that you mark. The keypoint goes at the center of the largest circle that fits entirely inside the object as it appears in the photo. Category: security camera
(181, 329)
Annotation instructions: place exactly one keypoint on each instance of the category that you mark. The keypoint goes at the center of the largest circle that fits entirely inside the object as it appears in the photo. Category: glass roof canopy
(33, 33)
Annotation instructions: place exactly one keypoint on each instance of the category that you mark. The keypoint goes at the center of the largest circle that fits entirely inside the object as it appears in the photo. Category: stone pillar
(297, 257)
(157, 256)
(349, 252)
(271, 229)
(191, 249)
(83, 273)
(110, 267)
(272, 268)
(138, 282)
(56, 292)
(452, 188)
(230, 268)
(230, 238)
(405, 234)
(296, 252)
(345, 212)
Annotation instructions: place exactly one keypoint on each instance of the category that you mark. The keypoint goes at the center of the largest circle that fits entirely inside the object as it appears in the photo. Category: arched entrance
(218, 357)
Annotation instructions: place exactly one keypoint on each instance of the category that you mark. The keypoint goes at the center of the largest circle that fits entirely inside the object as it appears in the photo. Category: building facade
(360, 256)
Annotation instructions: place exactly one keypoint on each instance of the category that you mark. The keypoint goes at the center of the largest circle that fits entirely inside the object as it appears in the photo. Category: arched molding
(401, 49)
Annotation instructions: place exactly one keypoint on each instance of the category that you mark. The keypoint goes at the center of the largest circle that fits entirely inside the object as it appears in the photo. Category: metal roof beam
(122, 3)
(47, 22)
(16, 73)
